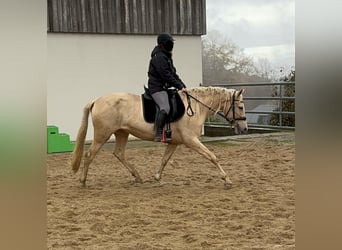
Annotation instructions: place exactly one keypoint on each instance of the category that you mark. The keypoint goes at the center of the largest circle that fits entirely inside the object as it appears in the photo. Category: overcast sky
(263, 28)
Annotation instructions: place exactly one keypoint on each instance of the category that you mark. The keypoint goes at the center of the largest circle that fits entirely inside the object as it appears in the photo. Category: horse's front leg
(196, 145)
(170, 149)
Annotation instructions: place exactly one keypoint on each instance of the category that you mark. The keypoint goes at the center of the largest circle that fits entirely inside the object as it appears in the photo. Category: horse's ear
(241, 91)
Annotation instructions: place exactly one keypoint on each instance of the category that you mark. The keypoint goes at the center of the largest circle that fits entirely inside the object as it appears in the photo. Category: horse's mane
(218, 95)
(210, 89)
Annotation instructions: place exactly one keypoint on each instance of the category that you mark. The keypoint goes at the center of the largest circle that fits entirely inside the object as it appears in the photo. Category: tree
(224, 61)
(264, 68)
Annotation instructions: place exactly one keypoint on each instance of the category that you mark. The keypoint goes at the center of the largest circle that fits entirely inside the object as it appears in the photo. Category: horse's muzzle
(240, 129)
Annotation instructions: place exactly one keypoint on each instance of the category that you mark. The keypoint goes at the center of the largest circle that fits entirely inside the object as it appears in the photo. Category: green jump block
(51, 130)
(58, 142)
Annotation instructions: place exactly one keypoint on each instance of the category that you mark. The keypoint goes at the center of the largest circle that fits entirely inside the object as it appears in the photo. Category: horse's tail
(82, 132)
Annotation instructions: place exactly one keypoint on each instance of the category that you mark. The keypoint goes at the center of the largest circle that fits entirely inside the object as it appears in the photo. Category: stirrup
(165, 137)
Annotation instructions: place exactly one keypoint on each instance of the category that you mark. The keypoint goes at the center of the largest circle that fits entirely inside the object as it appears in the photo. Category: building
(96, 47)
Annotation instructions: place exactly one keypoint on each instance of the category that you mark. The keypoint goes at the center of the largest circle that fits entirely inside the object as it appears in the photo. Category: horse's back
(116, 100)
(115, 106)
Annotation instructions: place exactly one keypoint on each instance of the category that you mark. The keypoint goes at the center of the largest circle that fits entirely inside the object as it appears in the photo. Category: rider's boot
(159, 125)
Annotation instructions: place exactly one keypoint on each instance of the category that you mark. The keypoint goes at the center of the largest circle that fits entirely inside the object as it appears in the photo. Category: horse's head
(235, 112)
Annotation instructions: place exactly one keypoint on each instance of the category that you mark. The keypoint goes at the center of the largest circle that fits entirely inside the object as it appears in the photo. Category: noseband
(190, 112)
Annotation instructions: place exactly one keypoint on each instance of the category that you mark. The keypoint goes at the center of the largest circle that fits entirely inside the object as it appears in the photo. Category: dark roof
(181, 17)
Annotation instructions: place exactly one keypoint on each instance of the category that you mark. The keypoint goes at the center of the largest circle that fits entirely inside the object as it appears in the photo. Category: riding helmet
(166, 40)
(164, 37)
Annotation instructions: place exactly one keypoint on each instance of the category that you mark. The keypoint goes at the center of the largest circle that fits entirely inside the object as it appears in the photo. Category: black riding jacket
(161, 72)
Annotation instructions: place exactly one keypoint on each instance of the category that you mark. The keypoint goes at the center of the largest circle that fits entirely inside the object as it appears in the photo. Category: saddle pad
(150, 108)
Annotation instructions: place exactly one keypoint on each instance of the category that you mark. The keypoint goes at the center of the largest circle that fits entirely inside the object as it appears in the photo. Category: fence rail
(280, 98)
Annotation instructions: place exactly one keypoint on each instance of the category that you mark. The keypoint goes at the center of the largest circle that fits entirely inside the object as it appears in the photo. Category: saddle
(150, 108)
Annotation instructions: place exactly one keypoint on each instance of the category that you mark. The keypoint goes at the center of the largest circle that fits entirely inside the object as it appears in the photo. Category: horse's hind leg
(119, 152)
(170, 149)
(89, 157)
(203, 150)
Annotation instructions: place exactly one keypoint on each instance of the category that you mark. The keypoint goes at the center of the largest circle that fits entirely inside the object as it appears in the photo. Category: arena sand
(191, 209)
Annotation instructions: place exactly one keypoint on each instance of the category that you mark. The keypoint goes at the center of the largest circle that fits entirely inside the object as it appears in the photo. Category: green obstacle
(58, 142)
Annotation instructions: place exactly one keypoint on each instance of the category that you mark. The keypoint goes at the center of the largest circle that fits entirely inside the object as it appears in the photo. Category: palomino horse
(121, 114)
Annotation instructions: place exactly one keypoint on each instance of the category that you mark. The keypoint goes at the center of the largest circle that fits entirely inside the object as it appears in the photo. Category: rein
(189, 108)
(190, 111)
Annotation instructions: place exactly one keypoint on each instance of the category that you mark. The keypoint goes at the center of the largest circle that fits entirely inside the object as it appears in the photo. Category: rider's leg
(162, 100)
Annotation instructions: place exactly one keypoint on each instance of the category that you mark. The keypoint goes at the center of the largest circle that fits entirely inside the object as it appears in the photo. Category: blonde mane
(215, 97)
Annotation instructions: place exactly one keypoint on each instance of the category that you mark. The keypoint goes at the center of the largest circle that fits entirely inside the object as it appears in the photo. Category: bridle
(190, 111)
(232, 107)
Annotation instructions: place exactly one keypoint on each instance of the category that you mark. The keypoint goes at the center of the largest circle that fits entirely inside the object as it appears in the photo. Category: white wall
(82, 67)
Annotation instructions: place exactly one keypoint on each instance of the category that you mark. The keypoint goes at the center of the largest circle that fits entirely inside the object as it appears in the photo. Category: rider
(162, 75)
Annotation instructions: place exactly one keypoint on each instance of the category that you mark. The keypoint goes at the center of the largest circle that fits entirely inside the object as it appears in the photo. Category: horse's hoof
(228, 185)
(157, 177)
